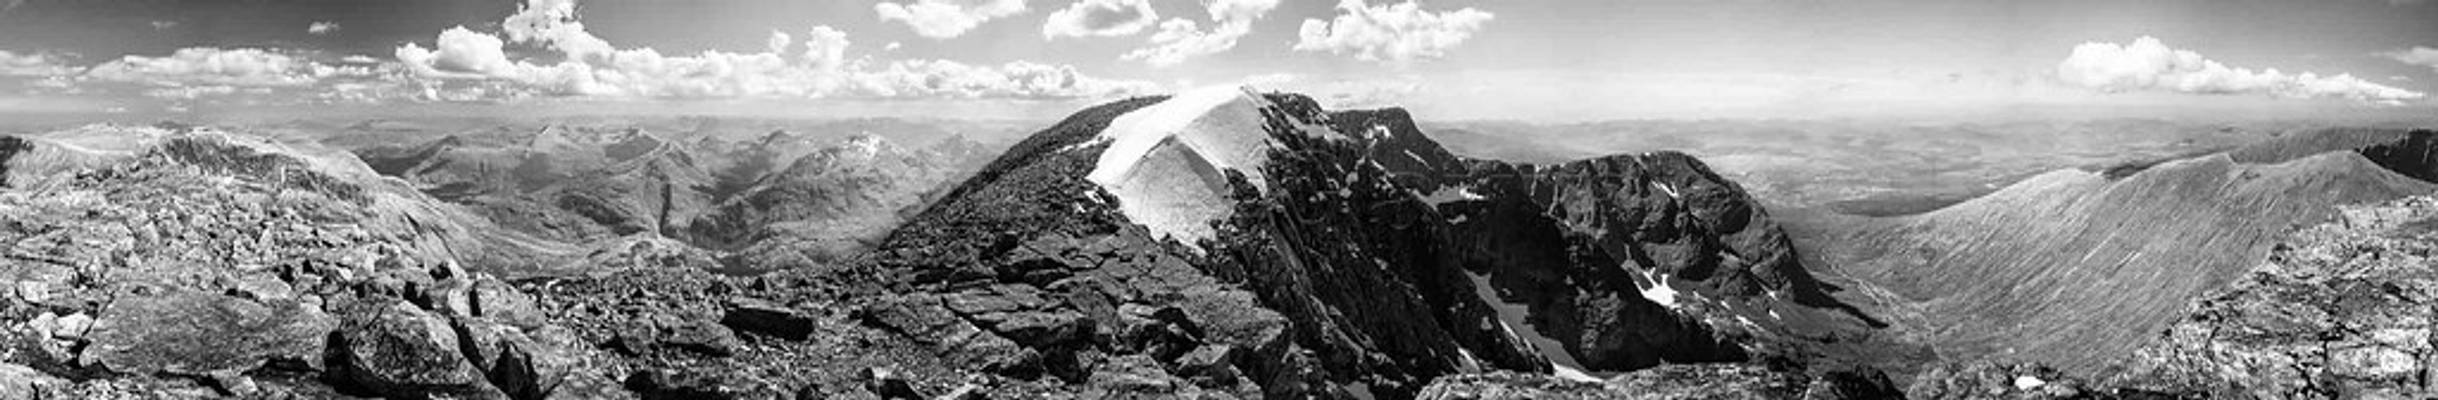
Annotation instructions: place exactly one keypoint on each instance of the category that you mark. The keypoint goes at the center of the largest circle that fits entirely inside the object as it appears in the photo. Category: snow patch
(1665, 188)
(1658, 290)
(1167, 163)
(1511, 314)
(1451, 194)
(2028, 382)
(1572, 374)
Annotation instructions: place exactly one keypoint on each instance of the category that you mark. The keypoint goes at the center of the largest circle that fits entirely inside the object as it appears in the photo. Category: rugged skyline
(1545, 60)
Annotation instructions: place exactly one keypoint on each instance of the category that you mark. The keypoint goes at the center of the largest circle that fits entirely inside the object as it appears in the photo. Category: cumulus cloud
(1394, 33)
(246, 75)
(1020, 79)
(2422, 56)
(2149, 64)
(942, 19)
(32, 65)
(553, 24)
(544, 50)
(322, 27)
(459, 53)
(217, 66)
(1179, 39)
(811, 65)
(1100, 18)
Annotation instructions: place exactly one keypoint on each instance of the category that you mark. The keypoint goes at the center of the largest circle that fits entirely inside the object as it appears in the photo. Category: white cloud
(2422, 56)
(1179, 39)
(164, 25)
(1100, 18)
(32, 64)
(543, 50)
(460, 53)
(1394, 33)
(214, 66)
(1020, 79)
(190, 92)
(322, 27)
(942, 19)
(825, 48)
(2148, 64)
(244, 75)
(553, 23)
(464, 64)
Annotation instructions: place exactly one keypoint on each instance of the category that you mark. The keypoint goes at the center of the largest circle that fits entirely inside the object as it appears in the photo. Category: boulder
(768, 318)
(672, 332)
(199, 334)
(496, 300)
(18, 382)
(677, 384)
(402, 350)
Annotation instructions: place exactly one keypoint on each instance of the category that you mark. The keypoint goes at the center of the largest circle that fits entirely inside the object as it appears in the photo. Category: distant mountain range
(825, 200)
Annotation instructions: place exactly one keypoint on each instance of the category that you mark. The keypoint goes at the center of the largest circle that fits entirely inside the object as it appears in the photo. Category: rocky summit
(1337, 254)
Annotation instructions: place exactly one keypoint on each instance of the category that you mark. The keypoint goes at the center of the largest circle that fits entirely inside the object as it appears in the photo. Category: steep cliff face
(1633, 259)
(1344, 252)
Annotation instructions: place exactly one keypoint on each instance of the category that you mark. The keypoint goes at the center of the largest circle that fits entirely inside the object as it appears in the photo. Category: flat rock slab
(198, 334)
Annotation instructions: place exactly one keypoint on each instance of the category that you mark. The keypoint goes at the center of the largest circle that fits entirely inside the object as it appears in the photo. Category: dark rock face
(1595, 250)
(9, 147)
(2414, 155)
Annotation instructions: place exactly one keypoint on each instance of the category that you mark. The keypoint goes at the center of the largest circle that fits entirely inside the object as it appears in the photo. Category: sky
(1543, 60)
